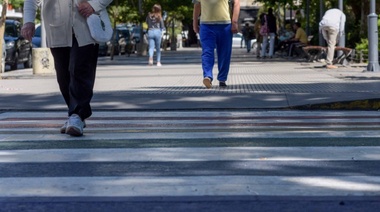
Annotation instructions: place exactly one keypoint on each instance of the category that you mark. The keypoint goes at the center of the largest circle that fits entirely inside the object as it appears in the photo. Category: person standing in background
(270, 20)
(216, 29)
(74, 51)
(332, 28)
(155, 27)
(248, 35)
(259, 37)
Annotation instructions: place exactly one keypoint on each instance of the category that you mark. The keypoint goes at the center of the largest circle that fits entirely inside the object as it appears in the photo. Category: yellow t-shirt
(214, 11)
(301, 35)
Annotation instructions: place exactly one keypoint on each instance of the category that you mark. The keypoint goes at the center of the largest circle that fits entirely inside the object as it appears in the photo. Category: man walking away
(332, 28)
(216, 29)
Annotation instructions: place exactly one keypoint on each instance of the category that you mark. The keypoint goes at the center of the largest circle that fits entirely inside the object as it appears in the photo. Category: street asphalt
(127, 83)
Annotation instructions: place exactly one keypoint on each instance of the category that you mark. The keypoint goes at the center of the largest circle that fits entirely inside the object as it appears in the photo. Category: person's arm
(196, 13)
(235, 17)
(30, 10)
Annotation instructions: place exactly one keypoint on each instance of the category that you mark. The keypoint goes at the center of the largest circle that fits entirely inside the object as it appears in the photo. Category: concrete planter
(43, 62)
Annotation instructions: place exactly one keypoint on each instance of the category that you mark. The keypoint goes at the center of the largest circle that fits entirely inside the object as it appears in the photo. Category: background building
(248, 11)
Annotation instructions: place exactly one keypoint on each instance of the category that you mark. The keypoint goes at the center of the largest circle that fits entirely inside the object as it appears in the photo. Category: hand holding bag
(100, 26)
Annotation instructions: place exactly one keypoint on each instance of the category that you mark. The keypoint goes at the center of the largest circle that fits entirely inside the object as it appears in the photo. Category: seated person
(300, 39)
(284, 37)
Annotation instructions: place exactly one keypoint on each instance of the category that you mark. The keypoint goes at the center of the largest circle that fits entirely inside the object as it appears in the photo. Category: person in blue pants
(155, 27)
(216, 29)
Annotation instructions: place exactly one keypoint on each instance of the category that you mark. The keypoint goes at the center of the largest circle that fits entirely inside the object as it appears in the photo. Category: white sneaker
(75, 126)
(64, 127)
(159, 64)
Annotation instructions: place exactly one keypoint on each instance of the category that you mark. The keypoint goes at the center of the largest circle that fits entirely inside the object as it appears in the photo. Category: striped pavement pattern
(191, 154)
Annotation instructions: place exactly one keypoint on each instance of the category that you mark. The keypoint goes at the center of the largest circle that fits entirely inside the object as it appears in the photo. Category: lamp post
(141, 51)
(321, 13)
(342, 40)
(308, 17)
(373, 39)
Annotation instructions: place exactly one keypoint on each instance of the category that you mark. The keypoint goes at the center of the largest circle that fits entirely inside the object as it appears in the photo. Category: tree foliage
(175, 9)
(16, 3)
(356, 13)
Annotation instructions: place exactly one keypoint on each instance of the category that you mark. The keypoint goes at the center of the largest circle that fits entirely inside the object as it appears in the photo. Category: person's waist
(216, 22)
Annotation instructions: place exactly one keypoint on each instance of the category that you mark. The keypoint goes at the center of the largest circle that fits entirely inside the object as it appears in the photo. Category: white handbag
(100, 26)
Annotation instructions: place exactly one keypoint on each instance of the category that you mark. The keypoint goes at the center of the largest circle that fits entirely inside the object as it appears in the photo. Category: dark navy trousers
(76, 67)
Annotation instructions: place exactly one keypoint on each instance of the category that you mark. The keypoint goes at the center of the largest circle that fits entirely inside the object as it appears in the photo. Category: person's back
(333, 18)
(272, 23)
(215, 12)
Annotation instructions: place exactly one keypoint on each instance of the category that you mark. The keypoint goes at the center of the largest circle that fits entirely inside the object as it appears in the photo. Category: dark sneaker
(222, 84)
(207, 82)
(64, 127)
(75, 126)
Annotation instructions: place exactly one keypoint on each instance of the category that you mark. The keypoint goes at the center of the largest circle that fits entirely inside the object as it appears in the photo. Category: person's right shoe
(207, 82)
(64, 126)
(75, 126)
(222, 84)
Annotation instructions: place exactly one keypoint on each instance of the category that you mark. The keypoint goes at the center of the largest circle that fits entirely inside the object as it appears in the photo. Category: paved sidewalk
(128, 83)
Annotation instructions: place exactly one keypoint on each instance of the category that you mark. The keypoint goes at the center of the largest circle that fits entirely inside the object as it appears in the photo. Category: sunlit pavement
(159, 141)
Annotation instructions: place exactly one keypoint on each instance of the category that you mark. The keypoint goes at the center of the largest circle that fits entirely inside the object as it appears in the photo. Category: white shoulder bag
(100, 26)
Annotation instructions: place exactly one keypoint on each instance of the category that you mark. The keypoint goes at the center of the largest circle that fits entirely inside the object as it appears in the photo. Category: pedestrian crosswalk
(214, 153)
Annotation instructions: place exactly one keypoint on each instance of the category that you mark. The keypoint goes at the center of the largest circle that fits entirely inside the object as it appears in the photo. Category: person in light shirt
(332, 29)
(74, 51)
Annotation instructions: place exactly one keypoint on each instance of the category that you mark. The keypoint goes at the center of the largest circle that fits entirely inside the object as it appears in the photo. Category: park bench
(314, 53)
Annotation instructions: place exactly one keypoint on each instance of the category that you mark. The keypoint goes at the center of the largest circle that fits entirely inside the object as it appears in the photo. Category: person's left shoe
(159, 64)
(222, 84)
(75, 126)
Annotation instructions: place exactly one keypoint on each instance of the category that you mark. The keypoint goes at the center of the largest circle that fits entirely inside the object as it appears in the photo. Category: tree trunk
(2, 28)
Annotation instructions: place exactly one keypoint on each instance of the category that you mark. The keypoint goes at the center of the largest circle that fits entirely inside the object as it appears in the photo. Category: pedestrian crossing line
(186, 124)
(101, 130)
(75, 143)
(146, 186)
(191, 154)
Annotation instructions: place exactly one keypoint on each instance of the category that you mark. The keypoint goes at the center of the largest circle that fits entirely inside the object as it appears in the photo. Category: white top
(333, 18)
